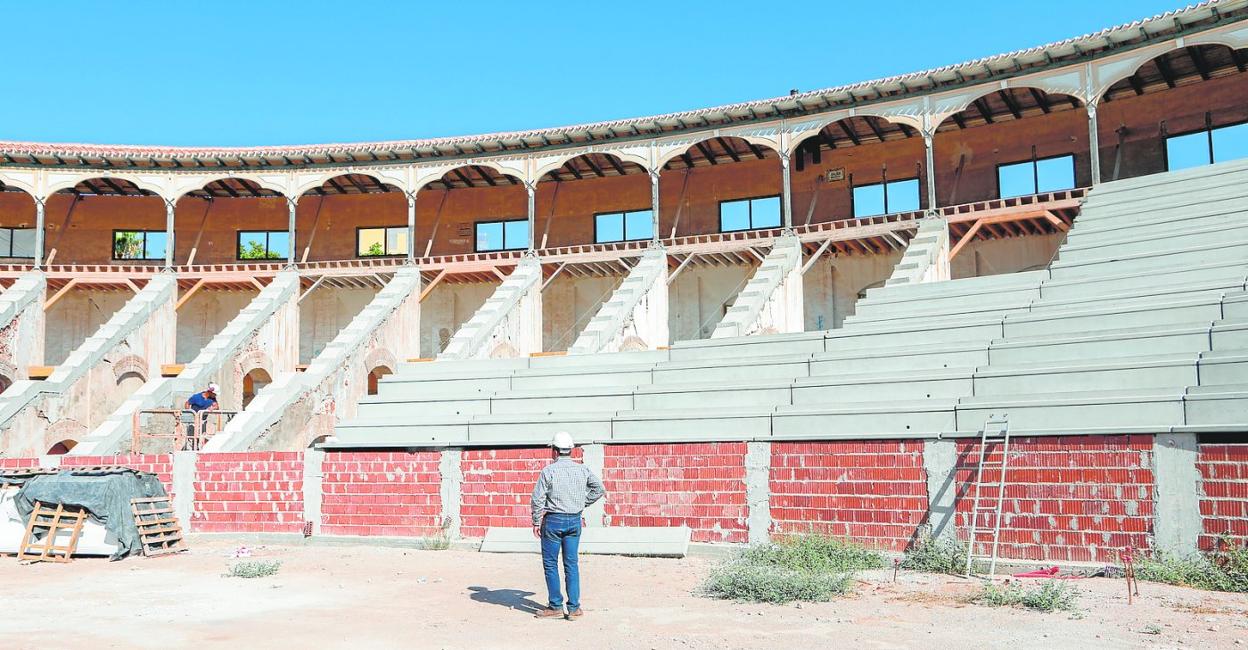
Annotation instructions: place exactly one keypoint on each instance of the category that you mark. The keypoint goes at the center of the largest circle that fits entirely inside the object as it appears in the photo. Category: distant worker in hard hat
(205, 400)
(564, 489)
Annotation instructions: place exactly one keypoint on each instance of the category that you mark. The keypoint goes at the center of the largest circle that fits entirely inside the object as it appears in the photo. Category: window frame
(1035, 172)
(623, 225)
(1207, 129)
(238, 247)
(385, 241)
(14, 229)
(476, 244)
(750, 200)
(853, 203)
(112, 244)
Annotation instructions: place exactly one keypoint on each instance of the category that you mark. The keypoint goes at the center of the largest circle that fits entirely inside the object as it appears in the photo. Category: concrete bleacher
(1139, 324)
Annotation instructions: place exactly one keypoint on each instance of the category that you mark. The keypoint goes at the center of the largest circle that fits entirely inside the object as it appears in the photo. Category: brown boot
(574, 614)
(549, 612)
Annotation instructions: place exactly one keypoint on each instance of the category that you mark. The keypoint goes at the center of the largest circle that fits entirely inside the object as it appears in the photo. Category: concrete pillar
(940, 459)
(184, 487)
(39, 225)
(594, 456)
(654, 206)
(531, 189)
(758, 491)
(313, 477)
(292, 205)
(1094, 144)
(930, 167)
(451, 490)
(411, 227)
(786, 191)
(1176, 524)
(169, 210)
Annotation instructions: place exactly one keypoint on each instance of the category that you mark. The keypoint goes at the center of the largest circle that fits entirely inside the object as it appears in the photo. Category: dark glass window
(17, 242)
(138, 244)
(502, 235)
(264, 245)
(889, 197)
(380, 242)
(1036, 176)
(623, 226)
(749, 214)
(1207, 146)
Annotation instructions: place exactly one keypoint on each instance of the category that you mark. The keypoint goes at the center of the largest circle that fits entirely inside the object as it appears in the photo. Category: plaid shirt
(566, 487)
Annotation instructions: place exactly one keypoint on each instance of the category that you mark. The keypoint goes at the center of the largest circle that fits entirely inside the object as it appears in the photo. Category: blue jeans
(562, 532)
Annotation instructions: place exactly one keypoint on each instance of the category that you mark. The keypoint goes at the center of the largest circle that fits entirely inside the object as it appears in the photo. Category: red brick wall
(249, 492)
(1223, 492)
(874, 492)
(701, 486)
(18, 463)
(496, 487)
(159, 464)
(1068, 498)
(379, 493)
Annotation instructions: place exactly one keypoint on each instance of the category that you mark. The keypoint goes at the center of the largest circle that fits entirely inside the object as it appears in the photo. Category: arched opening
(594, 197)
(319, 440)
(474, 208)
(981, 153)
(375, 211)
(5, 382)
(374, 378)
(1182, 109)
(857, 167)
(17, 224)
(253, 382)
(61, 448)
(720, 185)
(254, 219)
(132, 217)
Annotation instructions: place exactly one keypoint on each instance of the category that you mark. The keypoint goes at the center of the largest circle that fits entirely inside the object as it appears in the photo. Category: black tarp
(106, 494)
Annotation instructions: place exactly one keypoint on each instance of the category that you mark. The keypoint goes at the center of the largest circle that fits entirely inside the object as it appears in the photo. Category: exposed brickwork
(249, 492)
(159, 464)
(378, 493)
(1223, 492)
(1068, 498)
(497, 486)
(874, 492)
(18, 463)
(701, 486)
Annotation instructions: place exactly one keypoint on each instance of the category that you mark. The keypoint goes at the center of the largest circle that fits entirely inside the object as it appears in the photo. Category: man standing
(197, 404)
(564, 489)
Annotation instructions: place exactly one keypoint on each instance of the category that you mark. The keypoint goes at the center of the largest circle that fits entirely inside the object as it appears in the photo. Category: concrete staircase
(334, 377)
(748, 314)
(927, 257)
(1122, 333)
(170, 392)
(612, 318)
(133, 315)
(493, 323)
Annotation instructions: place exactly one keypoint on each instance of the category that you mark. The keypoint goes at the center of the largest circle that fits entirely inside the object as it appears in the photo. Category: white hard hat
(562, 440)
(214, 388)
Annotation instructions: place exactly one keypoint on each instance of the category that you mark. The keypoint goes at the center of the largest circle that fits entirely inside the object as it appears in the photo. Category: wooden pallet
(51, 521)
(159, 531)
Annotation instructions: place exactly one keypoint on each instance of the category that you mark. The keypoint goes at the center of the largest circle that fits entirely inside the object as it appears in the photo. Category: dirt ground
(365, 597)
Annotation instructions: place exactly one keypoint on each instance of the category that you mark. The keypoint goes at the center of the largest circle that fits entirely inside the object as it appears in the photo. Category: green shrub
(797, 568)
(936, 555)
(1224, 570)
(253, 569)
(815, 553)
(765, 583)
(1050, 596)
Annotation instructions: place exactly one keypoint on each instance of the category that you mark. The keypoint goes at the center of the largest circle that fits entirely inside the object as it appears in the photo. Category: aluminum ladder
(985, 531)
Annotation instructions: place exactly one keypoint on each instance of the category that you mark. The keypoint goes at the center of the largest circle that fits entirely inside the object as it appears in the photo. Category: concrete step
(1234, 249)
(1107, 344)
(1194, 278)
(1154, 222)
(981, 285)
(1112, 411)
(1170, 312)
(1141, 187)
(1178, 241)
(1130, 373)
(910, 357)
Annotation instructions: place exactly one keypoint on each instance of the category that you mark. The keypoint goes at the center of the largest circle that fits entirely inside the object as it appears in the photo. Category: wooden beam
(257, 283)
(970, 234)
(424, 293)
(312, 288)
(203, 222)
(189, 292)
(59, 294)
(671, 277)
(316, 220)
(815, 257)
(559, 269)
(64, 227)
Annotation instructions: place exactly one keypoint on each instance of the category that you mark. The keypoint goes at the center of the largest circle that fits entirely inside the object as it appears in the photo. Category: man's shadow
(510, 598)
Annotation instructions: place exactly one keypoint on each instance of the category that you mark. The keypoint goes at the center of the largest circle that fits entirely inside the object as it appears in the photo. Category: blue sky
(267, 72)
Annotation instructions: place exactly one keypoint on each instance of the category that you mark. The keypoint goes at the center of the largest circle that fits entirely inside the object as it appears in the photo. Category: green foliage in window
(128, 245)
(375, 250)
(254, 250)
